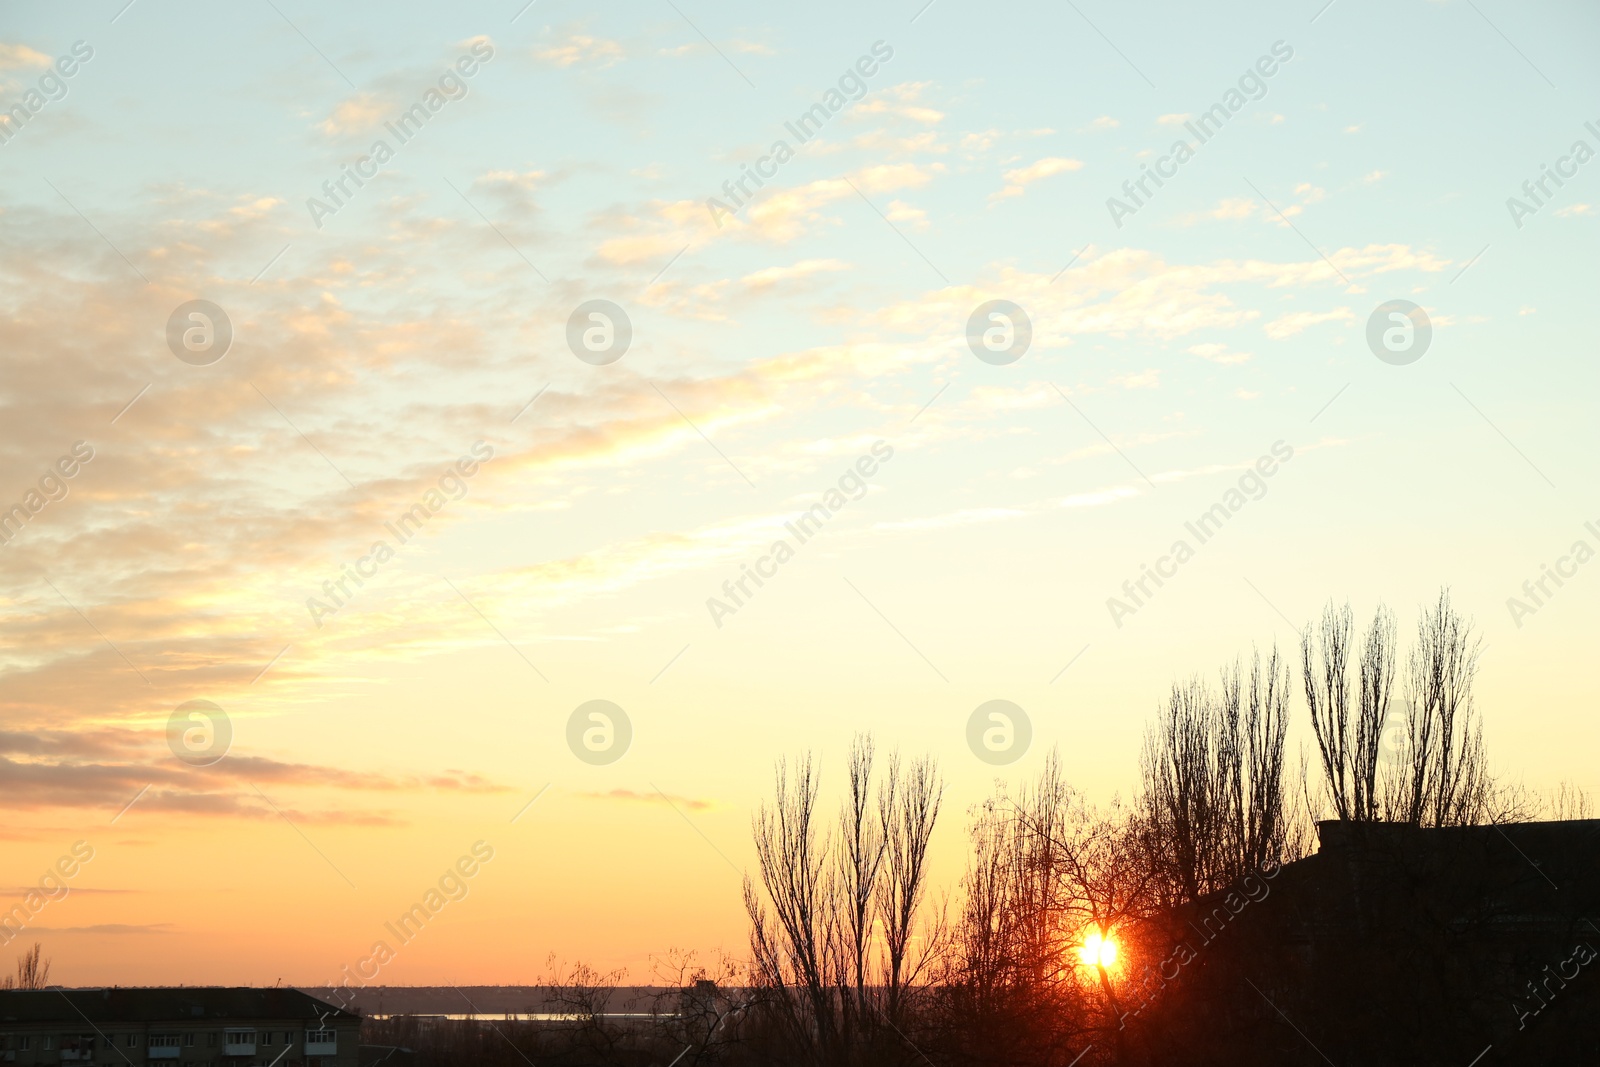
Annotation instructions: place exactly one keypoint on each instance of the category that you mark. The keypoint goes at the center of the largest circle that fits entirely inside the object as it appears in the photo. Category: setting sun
(1098, 950)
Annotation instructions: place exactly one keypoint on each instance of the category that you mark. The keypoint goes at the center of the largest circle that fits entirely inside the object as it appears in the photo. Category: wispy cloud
(1020, 178)
(575, 48)
(628, 796)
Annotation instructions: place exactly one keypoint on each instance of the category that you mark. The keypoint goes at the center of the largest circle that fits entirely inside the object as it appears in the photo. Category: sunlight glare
(1098, 950)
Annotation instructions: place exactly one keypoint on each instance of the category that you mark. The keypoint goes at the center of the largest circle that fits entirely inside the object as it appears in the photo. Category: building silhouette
(185, 1025)
(1393, 944)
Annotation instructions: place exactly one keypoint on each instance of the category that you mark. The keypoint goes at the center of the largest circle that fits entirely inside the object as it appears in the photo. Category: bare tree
(1178, 799)
(1569, 801)
(859, 863)
(984, 965)
(1212, 804)
(1443, 777)
(908, 806)
(790, 945)
(1050, 875)
(1265, 828)
(838, 936)
(1104, 887)
(1377, 686)
(33, 971)
(1324, 662)
(1350, 749)
(698, 1006)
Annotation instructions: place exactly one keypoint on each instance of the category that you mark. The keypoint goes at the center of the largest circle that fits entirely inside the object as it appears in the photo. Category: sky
(400, 382)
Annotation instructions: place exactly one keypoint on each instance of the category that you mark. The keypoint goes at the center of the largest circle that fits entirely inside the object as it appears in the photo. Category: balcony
(321, 1043)
(239, 1043)
(162, 1052)
(77, 1048)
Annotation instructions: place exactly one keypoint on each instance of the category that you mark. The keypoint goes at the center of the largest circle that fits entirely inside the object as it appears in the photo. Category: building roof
(182, 1004)
(1394, 944)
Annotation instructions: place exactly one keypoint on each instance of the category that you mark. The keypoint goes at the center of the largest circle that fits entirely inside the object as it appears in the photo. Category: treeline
(1047, 951)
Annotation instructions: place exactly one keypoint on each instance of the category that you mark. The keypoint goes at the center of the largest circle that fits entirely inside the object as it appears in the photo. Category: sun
(1098, 950)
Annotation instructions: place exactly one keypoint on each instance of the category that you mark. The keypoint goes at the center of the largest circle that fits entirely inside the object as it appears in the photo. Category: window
(188, 1041)
(211, 1039)
(319, 1037)
(165, 1041)
(49, 1042)
(24, 1042)
(133, 1041)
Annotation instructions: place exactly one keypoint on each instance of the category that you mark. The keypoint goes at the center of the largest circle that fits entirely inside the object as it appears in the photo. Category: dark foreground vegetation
(1384, 900)
(1437, 922)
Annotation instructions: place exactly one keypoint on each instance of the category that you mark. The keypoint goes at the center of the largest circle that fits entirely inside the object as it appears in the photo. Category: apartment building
(1392, 946)
(181, 1026)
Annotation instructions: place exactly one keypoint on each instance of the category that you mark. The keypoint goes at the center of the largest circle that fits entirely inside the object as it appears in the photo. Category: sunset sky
(420, 320)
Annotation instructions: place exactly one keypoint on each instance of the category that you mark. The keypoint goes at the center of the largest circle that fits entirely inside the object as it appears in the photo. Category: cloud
(885, 143)
(62, 768)
(1175, 119)
(1233, 207)
(768, 277)
(1243, 207)
(204, 590)
(1017, 180)
(903, 101)
(888, 177)
(1145, 379)
(964, 517)
(777, 214)
(900, 211)
(21, 890)
(21, 57)
(1297, 321)
(782, 216)
(987, 400)
(1572, 210)
(630, 797)
(113, 929)
(977, 143)
(1306, 194)
(355, 115)
(1218, 353)
(578, 48)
